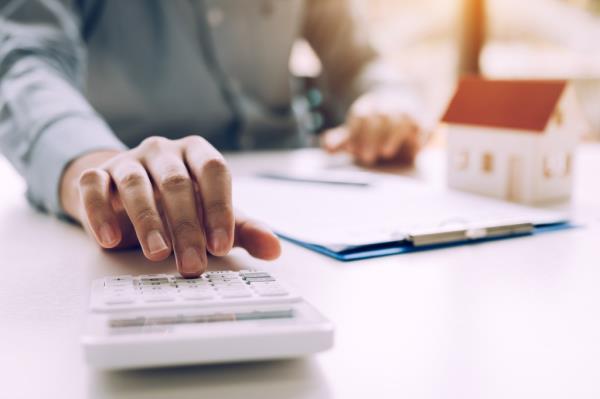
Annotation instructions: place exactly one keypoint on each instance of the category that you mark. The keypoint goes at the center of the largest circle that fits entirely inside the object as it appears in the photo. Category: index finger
(209, 169)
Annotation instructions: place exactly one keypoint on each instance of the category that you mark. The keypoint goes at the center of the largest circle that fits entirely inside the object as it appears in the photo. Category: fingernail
(107, 234)
(156, 242)
(191, 261)
(219, 240)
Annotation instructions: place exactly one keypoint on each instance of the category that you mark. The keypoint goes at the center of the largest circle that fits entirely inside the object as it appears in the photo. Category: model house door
(515, 179)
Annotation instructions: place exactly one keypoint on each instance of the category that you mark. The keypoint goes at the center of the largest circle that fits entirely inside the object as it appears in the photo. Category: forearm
(342, 45)
(45, 121)
(351, 66)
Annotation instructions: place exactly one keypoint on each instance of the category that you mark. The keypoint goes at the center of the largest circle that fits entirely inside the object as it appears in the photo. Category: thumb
(334, 140)
(256, 238)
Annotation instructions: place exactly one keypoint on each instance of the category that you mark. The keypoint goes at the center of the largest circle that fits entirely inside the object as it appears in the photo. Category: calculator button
(272, 293)
(236, 285)
(119, 278)
(157, 288)
(154, 277)
(235, 294)
(194, 286)
(259, 279)
(234, 290)
(266, 285)
(220, 274)
(269, 289)
(181, 280)
(159, 291)
(197, 296)
(118, 300)
(232, 287)
(118, 281)
(158, 298)
(224, 280)
(195, 289)
(254, 274)
(158, 294)
(199, 292)
(147, 276)
(191, 282)
(147, 283)
(119, 291)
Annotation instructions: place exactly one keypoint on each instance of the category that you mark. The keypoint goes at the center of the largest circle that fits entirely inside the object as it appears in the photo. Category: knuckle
(218, 208)
(185, 227)
(175, 182)
(145, 217)
(91, 177)
(389, 150)
(114, 162)
(195, 140)
(132, 180)
(94, 203)
(360, 118)
(154, 142)
(215, 166)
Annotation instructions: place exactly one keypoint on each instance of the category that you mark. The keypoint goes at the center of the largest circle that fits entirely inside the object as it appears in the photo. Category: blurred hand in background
(380, 127)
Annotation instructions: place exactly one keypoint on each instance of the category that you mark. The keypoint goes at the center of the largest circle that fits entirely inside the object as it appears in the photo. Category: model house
(513, 139)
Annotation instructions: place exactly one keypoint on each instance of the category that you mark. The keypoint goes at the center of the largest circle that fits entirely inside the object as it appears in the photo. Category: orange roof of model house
(508, 104)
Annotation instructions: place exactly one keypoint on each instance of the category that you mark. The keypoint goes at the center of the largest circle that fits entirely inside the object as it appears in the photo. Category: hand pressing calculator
(163, 320)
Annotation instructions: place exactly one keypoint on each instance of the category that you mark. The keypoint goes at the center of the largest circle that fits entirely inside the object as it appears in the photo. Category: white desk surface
(510, 319)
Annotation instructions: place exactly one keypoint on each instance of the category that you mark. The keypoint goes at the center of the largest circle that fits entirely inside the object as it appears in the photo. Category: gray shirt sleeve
(45, 121)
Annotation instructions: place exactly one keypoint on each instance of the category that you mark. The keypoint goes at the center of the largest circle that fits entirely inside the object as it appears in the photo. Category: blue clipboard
(404, 246)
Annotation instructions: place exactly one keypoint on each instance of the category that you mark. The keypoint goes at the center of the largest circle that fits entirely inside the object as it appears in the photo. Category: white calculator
(164, 320)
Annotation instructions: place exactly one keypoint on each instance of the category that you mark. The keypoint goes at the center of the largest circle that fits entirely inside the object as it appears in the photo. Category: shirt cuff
(60, 143)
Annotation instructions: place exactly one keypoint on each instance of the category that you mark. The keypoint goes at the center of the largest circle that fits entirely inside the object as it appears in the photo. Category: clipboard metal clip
(431, 237)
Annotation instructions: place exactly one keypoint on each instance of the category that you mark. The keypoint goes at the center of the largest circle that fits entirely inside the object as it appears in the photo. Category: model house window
(558, 117)
(568, 164)
(462, 160)
(557, 165)
(487, 162)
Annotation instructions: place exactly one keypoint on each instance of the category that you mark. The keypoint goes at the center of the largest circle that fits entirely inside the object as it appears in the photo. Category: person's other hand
(166, 195)
(379, 128)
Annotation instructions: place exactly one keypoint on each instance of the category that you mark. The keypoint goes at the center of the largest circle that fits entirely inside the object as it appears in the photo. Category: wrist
(69, 185)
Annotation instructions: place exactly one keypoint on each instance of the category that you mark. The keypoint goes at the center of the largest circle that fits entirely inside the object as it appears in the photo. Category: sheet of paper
(386, 211)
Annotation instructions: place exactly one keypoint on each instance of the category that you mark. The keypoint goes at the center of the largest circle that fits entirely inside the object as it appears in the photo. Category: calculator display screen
(200, 318)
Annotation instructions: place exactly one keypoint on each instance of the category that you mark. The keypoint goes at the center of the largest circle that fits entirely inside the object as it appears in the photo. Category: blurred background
(434, 41)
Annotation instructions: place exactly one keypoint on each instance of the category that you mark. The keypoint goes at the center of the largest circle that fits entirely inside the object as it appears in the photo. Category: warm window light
(557, 165)
(487, 163)
(462, 160)
(558, 117)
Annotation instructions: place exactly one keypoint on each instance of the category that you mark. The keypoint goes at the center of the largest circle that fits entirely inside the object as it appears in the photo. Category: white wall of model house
(517, 165)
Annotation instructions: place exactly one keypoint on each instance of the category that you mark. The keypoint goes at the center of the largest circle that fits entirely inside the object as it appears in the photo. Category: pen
(354, 182)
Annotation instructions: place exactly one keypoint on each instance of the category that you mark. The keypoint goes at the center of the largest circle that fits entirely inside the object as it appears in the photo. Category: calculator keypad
(212, 288)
